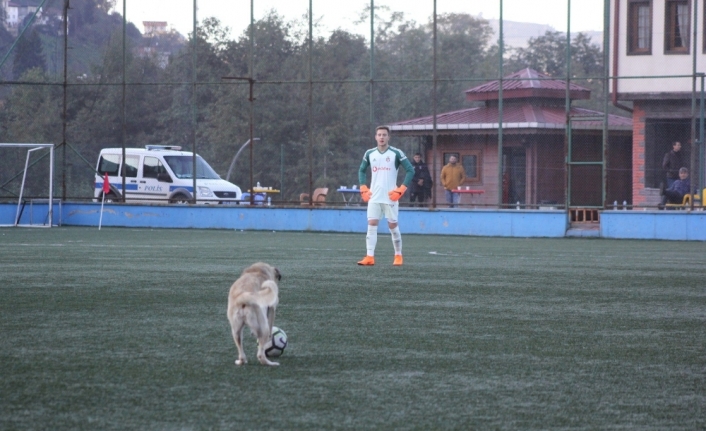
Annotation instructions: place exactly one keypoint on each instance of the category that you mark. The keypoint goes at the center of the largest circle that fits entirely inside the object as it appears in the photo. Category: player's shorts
(376, 211)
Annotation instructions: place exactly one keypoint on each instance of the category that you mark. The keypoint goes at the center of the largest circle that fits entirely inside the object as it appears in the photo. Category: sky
(586, 15)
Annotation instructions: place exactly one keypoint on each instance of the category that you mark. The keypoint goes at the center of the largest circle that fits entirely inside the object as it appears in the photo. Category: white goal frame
(31, 148)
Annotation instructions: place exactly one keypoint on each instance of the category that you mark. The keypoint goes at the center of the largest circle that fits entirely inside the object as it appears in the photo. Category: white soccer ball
(275, 347)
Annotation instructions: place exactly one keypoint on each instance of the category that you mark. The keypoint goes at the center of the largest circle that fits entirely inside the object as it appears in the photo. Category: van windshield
(182, 166)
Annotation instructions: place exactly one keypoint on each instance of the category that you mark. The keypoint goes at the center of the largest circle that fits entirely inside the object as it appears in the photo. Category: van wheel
(110, 197)
(179, 199)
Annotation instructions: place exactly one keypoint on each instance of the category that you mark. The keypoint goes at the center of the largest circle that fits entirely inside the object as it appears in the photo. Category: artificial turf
(126, 329)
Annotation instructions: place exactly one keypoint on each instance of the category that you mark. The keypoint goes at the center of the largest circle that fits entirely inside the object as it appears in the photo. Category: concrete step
(588, 231)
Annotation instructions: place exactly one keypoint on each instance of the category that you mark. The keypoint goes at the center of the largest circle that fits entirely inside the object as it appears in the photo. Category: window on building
(471, 162)
(471, 165)
(676, 27)
(640, 27)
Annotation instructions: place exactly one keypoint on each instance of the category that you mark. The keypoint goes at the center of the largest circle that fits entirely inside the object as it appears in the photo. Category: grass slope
(126, 329)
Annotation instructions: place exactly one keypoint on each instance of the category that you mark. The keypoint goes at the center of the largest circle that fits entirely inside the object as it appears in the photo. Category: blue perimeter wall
(667, 225)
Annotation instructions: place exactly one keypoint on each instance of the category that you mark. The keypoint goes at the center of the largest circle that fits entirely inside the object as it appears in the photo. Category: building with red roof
(535, 146)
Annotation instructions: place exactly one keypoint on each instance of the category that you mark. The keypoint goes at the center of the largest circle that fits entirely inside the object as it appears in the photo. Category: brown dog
(252, 301)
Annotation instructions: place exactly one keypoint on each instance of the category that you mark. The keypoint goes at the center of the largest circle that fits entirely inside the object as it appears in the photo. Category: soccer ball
(276, 346)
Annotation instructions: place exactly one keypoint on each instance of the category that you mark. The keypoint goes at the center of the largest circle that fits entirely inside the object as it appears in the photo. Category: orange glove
(365, 193)
(397, 193)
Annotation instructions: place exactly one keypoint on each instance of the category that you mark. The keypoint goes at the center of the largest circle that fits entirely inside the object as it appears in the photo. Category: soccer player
(383, 195)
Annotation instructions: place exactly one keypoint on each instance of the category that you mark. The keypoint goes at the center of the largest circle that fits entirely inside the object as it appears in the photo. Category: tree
(105, 5)
(6, 40)
(28, 54)
(96, 115)
(547, 54)
(408, 54)
(280, 108)
(31, 114)
(165, 106)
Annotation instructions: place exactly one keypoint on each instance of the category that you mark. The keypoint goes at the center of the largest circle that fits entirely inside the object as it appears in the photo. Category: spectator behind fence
(671, 163)
(452, 175)
(420, 188)
(675, 193)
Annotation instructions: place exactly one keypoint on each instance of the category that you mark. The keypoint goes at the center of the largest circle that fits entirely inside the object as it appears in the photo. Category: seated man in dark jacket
(675, 193)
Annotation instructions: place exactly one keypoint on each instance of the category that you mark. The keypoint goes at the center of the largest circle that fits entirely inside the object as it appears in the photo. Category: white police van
(160, 173)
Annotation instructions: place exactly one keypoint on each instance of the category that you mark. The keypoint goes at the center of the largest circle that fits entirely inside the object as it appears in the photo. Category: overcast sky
(585, 14)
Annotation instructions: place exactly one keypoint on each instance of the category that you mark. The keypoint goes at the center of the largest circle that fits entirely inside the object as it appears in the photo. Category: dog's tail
(267, 297)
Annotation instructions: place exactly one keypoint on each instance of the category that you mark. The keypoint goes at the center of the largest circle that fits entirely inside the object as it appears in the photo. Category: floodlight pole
(232, 164)
(65, 91)
(700, 144)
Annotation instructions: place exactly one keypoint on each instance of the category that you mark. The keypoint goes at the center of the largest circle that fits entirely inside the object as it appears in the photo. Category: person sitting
(675, 193)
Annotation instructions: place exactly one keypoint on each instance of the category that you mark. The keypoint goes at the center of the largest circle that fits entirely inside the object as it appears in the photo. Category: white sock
(396, 239)
(371, 240)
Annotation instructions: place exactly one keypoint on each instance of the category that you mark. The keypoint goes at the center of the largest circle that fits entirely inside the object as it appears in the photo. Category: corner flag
(106, 190)
(106, 184)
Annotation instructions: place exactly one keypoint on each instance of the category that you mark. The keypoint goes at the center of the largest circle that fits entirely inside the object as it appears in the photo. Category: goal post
(50, 201)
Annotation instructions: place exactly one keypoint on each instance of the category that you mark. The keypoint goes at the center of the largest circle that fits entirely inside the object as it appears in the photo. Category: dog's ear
(278, 276)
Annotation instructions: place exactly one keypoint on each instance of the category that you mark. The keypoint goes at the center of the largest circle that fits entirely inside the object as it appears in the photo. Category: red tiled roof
(527, 83)
(515, 116)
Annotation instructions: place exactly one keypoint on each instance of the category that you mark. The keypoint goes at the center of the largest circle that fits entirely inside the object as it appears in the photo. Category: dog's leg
(271, 317)
(264, 336)
(237, 329)
(261, 342)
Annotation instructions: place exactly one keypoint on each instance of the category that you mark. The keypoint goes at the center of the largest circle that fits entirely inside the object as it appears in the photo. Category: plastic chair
(319, 197)
(259, 199)
(686, 201)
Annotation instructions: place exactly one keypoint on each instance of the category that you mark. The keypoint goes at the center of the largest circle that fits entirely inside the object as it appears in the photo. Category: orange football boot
(367, 261)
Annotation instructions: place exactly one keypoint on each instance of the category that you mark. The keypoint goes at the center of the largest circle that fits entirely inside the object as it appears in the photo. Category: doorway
(514, 175)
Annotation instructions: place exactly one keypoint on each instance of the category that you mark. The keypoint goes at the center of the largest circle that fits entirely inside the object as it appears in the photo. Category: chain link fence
(298, 101)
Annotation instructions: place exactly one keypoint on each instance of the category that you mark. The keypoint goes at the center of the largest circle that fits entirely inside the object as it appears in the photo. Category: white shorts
(390, 211)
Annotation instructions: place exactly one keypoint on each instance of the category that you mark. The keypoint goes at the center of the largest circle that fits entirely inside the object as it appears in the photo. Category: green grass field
(126, 329)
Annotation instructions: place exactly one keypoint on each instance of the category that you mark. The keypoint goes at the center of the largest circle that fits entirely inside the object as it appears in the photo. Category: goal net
(33, 193)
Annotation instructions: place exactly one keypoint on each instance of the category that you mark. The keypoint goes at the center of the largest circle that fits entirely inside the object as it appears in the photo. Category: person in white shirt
(383, 195)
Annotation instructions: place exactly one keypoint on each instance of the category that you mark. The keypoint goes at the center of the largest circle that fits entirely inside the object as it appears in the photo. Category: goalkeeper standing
(383, 195)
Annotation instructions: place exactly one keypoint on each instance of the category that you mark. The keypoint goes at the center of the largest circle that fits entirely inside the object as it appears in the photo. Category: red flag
(106, 184)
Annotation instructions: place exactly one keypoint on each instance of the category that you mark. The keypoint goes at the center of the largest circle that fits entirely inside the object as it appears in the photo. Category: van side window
(152, 167)
(131, 166)
(109, 163)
